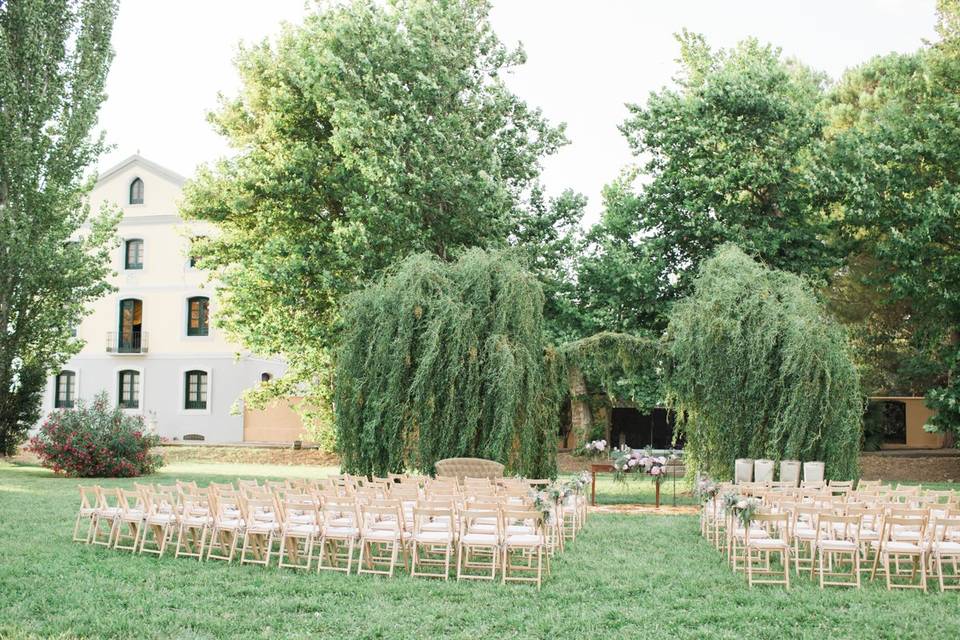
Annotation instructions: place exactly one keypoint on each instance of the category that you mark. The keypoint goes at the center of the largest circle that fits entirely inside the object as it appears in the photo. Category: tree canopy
(758, 369)
(439, 360)
(54, 58)
(371, 131)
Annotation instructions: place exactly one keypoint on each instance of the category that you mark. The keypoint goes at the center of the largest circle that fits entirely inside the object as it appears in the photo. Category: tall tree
(730, 152)
(54, 57)
(757, 368)
(370, 132)
(895, 150)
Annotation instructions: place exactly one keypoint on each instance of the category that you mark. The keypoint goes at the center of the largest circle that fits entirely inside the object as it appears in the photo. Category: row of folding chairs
(338, 524)
(839, 538)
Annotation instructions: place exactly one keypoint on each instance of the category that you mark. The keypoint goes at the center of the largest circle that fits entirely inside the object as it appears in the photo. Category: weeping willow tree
(757, 369)
(441, 360)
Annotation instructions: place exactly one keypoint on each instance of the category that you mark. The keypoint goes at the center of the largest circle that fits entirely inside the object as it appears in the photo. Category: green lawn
(627, 576)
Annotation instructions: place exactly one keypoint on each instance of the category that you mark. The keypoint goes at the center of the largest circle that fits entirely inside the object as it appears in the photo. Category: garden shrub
(96, 440)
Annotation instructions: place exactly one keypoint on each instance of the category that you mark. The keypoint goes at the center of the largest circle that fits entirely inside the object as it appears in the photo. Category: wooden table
(608, 467)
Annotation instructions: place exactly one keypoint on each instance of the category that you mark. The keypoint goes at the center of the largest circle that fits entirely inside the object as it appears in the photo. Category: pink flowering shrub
(95, 440)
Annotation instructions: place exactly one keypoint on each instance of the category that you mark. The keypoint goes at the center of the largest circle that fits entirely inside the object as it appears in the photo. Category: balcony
(128, 342)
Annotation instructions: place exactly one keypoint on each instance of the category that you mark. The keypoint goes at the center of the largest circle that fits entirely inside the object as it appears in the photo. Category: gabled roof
(137, 159)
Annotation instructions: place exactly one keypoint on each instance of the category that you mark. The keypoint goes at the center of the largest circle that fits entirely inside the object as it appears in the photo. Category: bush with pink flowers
(626, 460)
(95, 440)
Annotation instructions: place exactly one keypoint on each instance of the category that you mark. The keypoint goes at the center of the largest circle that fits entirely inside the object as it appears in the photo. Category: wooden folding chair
(227, 527)
(838, 539)
(524, 533)
(88, 507)
(945, 549)
(261, 522)
(903, 537)
(104, 517)
(478, 548)
(127, 525)
(159, 522)
(433, 535)
(340, 528)
(759, 548)
(195, 522)
(381, 537)
(301, 528)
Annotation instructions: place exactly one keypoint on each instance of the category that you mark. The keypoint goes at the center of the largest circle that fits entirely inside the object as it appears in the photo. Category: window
(134, 254)
(265, 377)
(65, 390)
(196, 390)
(129, 389)
(130, 338)
(198, 316)
(136, 191)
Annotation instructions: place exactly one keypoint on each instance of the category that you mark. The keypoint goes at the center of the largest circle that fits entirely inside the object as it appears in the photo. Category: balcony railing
(128, 342)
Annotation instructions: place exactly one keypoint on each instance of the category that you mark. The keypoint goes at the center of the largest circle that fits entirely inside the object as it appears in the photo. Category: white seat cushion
(301, 529)
(341, 532)
(768, 543)
(196, 521)
(947, 547)
(523, 540)
(902, 547)
(838, 545)
(433, 537)
(488, 539)
(261, 526)
(381, 534)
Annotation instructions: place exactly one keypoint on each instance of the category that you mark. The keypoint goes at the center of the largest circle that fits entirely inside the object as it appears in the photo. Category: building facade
(151, 345)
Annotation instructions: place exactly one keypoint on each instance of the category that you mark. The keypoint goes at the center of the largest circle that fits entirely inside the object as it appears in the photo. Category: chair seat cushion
(433, 537)
(161, 518)
(523, 540)
(838, 545)
(902, 547)
(262, 526)
(341, 532)
(768, 543)
(381, 534)
(489, 539)
(196, 521)
(301, 529)
(947, 547)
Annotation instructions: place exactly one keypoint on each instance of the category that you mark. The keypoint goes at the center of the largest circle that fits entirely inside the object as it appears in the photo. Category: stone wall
(938, 467)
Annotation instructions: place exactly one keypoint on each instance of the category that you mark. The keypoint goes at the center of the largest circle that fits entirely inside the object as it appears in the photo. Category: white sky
(586, 59)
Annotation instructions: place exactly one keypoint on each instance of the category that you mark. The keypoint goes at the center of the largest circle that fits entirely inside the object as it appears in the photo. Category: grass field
(626, 576)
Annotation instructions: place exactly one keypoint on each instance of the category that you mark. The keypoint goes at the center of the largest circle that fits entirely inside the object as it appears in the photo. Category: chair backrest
(221, 486)
(300, 505)
(945, 529)
(771, 522)
(530, 517)
(371, 514)
(425, 514)
(474, 467)
(898, 527)
(478, 513)
(835, 527)
(129, 501)
(88, 496)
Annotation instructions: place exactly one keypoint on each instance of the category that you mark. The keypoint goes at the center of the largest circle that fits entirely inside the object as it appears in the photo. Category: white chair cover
(743, 471)
(763, 471)
(790, 471)
(813, 471)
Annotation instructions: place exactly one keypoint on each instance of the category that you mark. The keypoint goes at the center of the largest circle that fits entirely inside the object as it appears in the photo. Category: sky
(586, 60)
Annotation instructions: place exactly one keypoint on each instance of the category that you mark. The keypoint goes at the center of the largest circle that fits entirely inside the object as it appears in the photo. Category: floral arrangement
(706, 489)
(743, 508)
(592, 449)
(626, 460)
(95, 440)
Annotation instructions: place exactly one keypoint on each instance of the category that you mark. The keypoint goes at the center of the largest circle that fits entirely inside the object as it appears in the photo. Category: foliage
(440, 360)
(895, 157)
(370, 132)
(732, 152)
(624, 367)
(626, 460)
(54, 57)
(757, 369)
(96, 440)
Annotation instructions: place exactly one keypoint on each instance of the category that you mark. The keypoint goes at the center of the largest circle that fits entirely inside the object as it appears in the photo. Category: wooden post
(593, 486)
(657, 481)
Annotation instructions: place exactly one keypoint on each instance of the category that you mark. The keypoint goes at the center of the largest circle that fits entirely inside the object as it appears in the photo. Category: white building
(150, 345)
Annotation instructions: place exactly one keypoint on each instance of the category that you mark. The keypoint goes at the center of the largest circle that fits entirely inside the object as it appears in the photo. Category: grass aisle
(626, 576)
